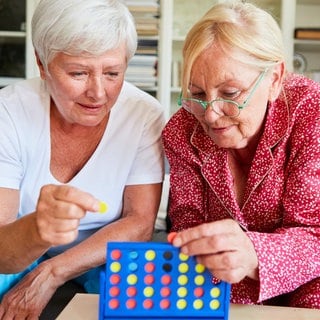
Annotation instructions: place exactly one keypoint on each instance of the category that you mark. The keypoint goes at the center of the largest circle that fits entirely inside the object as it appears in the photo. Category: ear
(41, 67)
(277, 76)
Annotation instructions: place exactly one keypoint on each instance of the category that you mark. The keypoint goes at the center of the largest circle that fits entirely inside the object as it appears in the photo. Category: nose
(210, 115)
(96, 87)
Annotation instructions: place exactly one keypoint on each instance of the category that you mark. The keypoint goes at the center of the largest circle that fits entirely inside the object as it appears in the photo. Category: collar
(215, 162)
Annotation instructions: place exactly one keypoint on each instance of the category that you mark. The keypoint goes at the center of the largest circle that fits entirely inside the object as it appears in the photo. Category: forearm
(92, 252)
(20, 244)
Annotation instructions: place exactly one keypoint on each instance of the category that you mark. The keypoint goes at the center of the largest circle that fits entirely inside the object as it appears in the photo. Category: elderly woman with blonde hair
(244, 154)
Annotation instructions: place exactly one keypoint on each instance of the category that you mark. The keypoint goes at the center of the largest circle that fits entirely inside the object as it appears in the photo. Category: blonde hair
(238, 25)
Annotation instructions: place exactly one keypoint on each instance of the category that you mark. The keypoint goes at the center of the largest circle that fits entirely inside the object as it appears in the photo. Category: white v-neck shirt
(129, 153)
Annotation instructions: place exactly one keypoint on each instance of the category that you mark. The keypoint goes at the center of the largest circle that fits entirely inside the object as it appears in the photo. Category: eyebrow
(228, 78)
(88, 66)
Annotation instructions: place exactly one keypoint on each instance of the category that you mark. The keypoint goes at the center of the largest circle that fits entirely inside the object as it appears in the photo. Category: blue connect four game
(151, 280)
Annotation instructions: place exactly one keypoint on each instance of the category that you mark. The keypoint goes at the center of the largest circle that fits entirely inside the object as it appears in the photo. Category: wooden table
(85, 307)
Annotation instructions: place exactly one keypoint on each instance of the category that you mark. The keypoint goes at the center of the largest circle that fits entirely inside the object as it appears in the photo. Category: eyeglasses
(220, 106)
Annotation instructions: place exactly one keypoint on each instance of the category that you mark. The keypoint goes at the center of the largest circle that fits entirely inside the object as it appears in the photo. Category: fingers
(59, 211)
(207, 238)
(59, 194)
(171, 236)
(226, 266)
(222, 246)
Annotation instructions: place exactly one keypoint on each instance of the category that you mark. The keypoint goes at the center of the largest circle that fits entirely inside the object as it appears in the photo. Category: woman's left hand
(223, 247)
(30, 296)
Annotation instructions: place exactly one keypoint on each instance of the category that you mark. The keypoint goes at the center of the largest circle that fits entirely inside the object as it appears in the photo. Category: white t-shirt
(129, 153)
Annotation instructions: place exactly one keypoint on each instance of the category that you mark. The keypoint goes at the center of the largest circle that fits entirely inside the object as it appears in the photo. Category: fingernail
(171, 236)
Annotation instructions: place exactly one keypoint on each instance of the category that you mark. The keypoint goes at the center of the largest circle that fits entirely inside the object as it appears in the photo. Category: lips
(91, 106)
(222, 128)
(219, 129)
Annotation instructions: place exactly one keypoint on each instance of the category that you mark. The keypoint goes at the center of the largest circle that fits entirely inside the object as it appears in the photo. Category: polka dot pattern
(282, 196)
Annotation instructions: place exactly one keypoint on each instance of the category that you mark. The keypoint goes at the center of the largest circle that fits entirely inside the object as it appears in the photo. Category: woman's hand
(223, 247)
(59, 210)
(30, 296)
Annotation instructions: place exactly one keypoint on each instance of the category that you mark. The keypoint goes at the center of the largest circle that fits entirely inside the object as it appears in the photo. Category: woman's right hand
(223, 247)
(59, 210)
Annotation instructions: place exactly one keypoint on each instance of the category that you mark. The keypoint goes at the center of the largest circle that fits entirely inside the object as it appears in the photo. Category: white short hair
(82, 26)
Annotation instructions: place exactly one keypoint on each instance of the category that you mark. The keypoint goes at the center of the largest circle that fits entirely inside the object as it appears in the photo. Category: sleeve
(289, 257)
(10, 154)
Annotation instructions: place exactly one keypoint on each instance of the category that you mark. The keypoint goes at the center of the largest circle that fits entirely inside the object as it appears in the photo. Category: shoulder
(300, 82)
(23, 95)
(22, 87)
(301, 92)
(133, 97)
(24, 103)
(180, 126)
(303, 100)
(136, 108)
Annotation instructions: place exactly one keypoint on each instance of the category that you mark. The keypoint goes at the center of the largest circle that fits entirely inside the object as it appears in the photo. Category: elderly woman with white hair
(77, 135)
